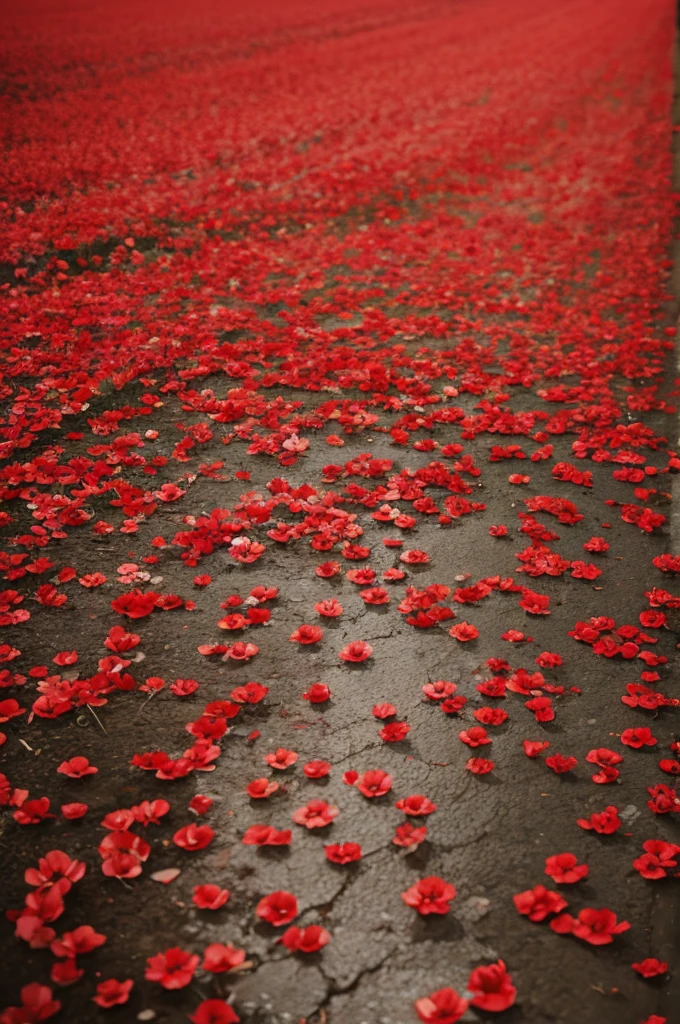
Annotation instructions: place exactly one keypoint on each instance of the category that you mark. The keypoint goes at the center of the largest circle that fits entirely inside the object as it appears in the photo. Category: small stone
(475, 909)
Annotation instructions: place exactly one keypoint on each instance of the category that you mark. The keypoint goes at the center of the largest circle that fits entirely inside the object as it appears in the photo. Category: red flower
(343, 853)
(491, 716)
(251, 693)
(475, 737)
(112, 993)
(650, 967)
(328, 569)
(408, 836)
(664, 800)
(604, 757)
(260, 789)
(277, 908)
(431, 895)
(561, 764)
(598, 927)
(414, 557)
(317, 693)
(374, 783)
(37, 1005)
(66, 972)
(10, 709)
(32, 812)
(542, 708)
(357, 650)
(464, 631)
(214, 1011)
(491, 987)
(317, 769)
(361, 577)
(442, 1007)
(240, 652)
(564, 868)
(74, 811)
(315, 814)
(515, 636)
(637, 738)
(394, 732)
(150, 812)
(306, 635)
(184, 687)
(416, 805)
(174, 968)
(233, 621)
(209, 897)
(55, 867)
(498, 531)
(453, 705)
(135, 604)
(266, 835)
(200, 804)
(546, 659)
(281, 758)
(193, 837)
(493, 687)
(534, 748)
(659, 856)
(218, 958)
(330, 608)
(479, 766)
(605, 822)
(123, 854)
(305, 940)
(439, 689)
(538, 902)
(77, 768)
(383, 710)
(535, 604)
(80, 940)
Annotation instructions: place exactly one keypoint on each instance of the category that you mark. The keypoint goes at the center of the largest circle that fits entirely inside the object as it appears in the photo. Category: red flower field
(339, 599)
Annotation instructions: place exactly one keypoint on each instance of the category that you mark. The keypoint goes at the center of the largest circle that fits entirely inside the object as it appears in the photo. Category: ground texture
(337, 374)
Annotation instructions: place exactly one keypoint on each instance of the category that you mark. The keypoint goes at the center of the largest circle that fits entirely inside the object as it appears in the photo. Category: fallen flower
(442, 1007)
(218, 958)
(277, 908)
(112, 992)
(315, 814)
(597, 927)
(173, 969)
(491, 988)
(356, 651)
(538, 902)
(605, 822)
(343, 853)
(209, 897)
(214, 1011)
(193, 837)
(305, 940)
(431, 895)
(373, 783)
(650, 967)
(564, 868)
(77, 768)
